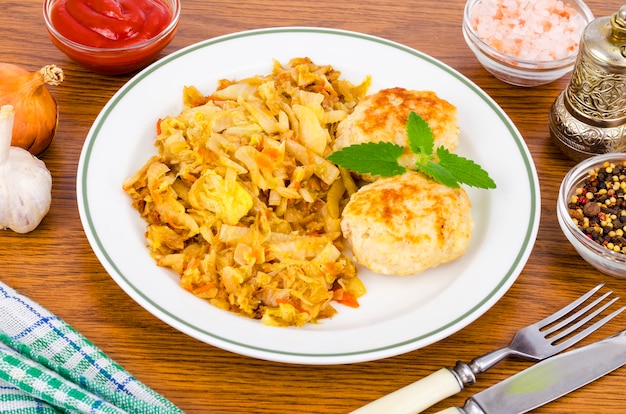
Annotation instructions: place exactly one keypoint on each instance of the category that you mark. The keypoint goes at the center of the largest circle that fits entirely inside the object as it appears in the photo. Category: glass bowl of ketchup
(112, 37)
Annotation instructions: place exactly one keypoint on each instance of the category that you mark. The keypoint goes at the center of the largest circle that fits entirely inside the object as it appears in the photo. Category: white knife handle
(416, 397)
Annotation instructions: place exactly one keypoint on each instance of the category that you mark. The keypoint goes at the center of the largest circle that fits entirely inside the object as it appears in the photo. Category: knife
(548, 380)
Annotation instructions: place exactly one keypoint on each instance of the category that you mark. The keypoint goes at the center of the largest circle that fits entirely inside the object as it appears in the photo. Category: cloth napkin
(48, 367)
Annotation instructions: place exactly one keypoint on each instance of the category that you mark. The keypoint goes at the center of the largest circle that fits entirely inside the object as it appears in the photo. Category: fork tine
(582, 312)
(569, 342)
(583, 321)
(565, 310)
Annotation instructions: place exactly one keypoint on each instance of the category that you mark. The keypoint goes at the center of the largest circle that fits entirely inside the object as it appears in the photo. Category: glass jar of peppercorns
(591, 211)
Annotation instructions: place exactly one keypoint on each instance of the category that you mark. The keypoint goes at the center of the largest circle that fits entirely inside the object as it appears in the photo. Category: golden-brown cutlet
(405, 224)
(382, 116)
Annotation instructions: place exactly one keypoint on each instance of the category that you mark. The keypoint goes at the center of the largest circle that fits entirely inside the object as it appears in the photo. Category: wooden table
(55, 265)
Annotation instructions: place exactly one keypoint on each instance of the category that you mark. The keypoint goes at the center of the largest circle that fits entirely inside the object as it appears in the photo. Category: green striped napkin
(48, 367)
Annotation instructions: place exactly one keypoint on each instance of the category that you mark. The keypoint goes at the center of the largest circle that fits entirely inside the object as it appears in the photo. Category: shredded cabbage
(241, 202)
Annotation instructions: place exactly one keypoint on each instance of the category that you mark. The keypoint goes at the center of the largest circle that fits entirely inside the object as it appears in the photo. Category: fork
(534, 342)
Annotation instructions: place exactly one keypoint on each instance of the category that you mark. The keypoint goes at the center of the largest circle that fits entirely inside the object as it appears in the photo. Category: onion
(36, 110)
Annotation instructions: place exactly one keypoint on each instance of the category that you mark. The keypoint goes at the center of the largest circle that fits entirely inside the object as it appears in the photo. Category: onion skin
(36, 110)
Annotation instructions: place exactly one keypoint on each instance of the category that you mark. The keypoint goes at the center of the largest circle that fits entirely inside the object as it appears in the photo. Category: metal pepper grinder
(589, 116)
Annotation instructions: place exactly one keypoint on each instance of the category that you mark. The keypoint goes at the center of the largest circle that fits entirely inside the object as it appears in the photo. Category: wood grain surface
(55, 265)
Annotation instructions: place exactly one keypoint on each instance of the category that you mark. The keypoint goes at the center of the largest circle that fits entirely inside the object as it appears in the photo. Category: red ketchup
(110, 23)
(113, 36)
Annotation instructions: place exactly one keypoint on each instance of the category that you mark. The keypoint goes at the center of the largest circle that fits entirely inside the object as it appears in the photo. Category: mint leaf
(465, 171)
(438, 173)
(382, 158)
(376, 158)
(419, 134)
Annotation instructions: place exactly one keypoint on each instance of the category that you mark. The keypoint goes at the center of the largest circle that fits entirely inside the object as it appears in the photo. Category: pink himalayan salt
(535, 30)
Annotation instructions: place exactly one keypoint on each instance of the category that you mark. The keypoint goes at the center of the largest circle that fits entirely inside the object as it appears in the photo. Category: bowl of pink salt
(525, 42)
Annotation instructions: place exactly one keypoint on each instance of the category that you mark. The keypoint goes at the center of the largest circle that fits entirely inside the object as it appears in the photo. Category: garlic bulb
(36, 110)
(25, 182)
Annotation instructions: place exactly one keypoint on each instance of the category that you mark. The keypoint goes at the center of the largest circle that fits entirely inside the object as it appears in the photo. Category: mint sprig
(381, 158)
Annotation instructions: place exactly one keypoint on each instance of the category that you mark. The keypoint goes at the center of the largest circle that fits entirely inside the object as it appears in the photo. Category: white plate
(396, 315)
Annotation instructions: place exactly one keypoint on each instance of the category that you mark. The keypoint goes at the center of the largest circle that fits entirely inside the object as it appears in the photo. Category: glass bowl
(607, 261)
(114, 61)
(514, 70)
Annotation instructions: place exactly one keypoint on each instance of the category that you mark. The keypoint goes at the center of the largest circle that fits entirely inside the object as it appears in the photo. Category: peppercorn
(591, 209)
(598, 206)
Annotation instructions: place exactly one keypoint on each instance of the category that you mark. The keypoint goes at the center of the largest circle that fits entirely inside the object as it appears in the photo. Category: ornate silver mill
(589, 116)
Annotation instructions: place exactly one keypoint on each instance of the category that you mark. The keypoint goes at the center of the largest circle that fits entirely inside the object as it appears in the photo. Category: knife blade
(548, 380)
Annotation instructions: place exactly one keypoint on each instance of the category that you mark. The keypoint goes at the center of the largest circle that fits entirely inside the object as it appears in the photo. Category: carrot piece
(346, 298)
(204, 288)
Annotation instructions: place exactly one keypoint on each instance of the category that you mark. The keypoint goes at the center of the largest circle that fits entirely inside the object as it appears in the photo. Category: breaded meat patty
(404, 224)
(382, 116)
